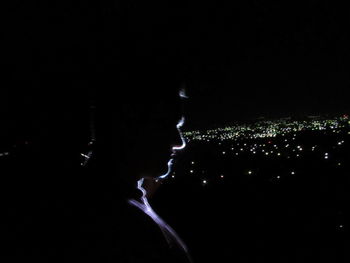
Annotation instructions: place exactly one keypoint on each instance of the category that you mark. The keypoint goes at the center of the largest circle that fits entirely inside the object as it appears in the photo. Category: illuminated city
(273, 166)
(269, 129)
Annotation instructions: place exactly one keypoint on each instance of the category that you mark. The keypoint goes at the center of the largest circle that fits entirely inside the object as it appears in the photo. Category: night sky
(238, 61)
(274, 60)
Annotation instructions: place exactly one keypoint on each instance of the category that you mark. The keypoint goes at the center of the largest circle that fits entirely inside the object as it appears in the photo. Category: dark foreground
(289, 205)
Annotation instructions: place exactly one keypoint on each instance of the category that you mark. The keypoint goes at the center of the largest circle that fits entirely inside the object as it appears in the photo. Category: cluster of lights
(269, 129)
(271, 148)
(264, 141)
(287, 148)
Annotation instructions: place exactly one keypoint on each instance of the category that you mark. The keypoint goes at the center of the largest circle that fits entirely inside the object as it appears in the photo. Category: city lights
(268, 129)
(271, 141)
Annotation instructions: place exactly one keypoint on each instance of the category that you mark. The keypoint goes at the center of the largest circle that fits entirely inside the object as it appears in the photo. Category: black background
(238, 60)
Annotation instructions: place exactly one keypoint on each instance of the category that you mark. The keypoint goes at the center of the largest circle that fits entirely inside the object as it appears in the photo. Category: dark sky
(238, 60)
(273, 59)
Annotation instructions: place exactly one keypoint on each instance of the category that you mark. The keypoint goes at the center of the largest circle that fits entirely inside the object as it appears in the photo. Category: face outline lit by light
(169, 233)
(176, 149)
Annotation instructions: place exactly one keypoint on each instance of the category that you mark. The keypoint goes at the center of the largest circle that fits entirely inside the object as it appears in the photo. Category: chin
(160, 171)
(156, 168)
(166, 168)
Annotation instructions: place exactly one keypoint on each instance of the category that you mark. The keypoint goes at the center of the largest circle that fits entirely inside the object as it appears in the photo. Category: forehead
(151, 105)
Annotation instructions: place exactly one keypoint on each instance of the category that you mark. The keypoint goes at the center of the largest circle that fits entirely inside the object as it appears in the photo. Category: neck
(170, 235)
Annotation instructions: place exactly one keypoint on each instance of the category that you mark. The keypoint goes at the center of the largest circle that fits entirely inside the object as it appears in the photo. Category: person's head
(149, 130)
(145, 131)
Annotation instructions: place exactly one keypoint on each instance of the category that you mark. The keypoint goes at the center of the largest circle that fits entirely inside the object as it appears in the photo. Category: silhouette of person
(64, 207)
(98, 211)
(147, 138)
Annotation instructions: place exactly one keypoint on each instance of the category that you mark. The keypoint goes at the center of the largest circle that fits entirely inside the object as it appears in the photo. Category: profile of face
(159, 137)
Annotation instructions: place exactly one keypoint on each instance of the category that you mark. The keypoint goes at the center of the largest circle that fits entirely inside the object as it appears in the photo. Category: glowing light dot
(339, 164)
(223, 152)
(192, 162)
(173, 176)
(191, 171)
(266, 153)
(278, 154)
(221, 176)
(293, 172)
(204, 181)
(278, 177)
(250, 172)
